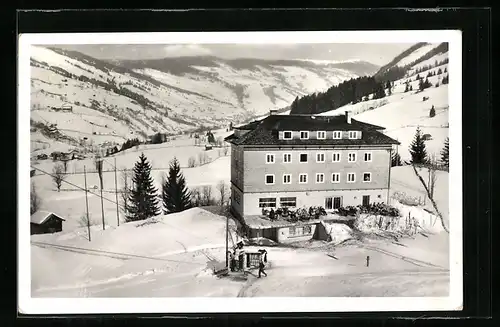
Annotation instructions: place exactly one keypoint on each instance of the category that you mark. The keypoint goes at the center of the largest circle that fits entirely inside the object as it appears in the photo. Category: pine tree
(407, 87)
(445, 153)
(143, 202)
(396, 160)
(432, 112)
(379, 92)
(175, 194)
(421, 85)
(427, 84)
(389, 87)
(411, 87)
(417, 149)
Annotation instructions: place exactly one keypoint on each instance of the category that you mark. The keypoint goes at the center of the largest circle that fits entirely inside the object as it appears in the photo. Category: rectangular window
(267, 203)
(304, 135)
(328, 203)
(270, 158)
(321, 135)
(287, 179)
(337, 135)
(288, 202)
(352, 157)
(353, 134)
(351, 177)
(337, 202)
(320, 157)
(292, 231)
(336, 157)
(368, 156)
(320, 178)
(287, 135)
(367, 177)
(287, 157)
(303, 157)
(269, 179)
(335, 178)
(303, 178)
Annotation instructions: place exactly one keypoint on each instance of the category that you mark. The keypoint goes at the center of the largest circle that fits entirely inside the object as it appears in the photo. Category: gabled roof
(265, 131)
(41, 216)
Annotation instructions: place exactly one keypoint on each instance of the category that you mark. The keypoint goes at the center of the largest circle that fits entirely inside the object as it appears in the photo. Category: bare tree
(206, 195)
(35, 200)
(196, 198)
(222, 188)
(58, 176)
(432, 175)
(126, 188)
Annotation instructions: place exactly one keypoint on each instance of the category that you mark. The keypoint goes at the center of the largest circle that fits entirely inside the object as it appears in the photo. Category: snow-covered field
(173, 256)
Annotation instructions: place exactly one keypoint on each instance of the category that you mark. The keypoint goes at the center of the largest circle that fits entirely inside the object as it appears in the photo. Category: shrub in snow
(191, 162)
(408, 200)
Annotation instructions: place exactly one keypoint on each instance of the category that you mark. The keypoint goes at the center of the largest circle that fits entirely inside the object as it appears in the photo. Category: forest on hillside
(358, 89)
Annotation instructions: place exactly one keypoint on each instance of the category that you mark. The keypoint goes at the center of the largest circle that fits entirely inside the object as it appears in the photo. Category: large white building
(302, 161)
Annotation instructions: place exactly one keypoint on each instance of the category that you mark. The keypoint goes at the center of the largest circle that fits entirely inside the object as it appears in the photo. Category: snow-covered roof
(41, 216)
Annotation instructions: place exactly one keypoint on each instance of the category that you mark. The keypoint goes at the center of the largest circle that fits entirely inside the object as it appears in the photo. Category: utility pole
(116, 197)
(86, 200)
(99, 170)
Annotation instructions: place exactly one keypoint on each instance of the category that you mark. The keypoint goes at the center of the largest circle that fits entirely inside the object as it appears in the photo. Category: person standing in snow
(262, 264)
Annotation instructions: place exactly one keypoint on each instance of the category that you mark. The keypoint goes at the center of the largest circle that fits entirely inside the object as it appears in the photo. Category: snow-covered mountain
(74, 96)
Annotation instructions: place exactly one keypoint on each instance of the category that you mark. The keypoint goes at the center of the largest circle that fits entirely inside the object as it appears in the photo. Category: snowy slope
(122, 100)
(401, 112)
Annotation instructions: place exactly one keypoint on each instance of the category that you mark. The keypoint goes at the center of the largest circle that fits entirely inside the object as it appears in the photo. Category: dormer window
(304, 135)
(337, 135)
(353, 134)
(287, 135)
(321, 135)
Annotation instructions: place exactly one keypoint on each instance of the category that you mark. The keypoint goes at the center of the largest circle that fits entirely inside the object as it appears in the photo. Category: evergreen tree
(445, 69)
(175, 194)
(411, 87)
(210, 137)
(427, 84)
(432, 112)
(421, 85)
(143, 202)
(407, 87)
(417, 149)
(445, 153)
(396, 160)
(389, 87)
(379, 92)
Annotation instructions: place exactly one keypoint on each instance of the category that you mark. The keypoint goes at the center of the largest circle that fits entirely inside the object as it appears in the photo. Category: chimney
(272, 112)
(347, 117)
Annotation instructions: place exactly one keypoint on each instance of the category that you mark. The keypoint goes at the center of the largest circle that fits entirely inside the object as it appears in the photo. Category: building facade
(302, 161)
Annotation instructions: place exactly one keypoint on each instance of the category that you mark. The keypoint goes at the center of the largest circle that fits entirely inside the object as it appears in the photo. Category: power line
(77, 186)
(69, 248)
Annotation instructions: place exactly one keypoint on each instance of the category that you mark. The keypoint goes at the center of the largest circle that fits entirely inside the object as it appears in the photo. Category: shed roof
(41, 216)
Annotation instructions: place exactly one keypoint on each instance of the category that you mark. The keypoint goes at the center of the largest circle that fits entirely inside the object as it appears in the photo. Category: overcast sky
(378, 54)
